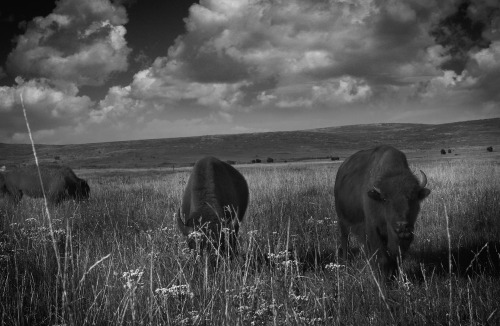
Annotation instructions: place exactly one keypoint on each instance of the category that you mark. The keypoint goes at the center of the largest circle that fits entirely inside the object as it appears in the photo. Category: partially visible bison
(378, 198)
(489, 149)
(59, 182)
(214, 203)
(443, 151)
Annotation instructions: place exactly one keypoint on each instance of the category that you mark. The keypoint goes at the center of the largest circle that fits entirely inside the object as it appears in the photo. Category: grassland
(118, 258)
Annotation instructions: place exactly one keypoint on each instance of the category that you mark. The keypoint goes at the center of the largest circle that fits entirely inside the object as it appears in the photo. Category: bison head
(3, 186)
(206, 232)
(396, 203)
(82, 189)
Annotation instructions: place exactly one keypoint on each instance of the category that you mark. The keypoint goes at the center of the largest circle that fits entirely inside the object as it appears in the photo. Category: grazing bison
(489, 149)
(60, 183)
(378, 198)
(214, 203)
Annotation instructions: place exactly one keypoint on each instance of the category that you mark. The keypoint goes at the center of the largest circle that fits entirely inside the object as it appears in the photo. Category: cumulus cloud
(82, 42)
(307, 54)
(49, 105)
(370, 60)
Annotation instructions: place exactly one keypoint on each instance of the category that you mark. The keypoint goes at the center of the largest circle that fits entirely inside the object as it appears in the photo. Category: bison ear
(423, 193)
(185, 230)
(375, 194)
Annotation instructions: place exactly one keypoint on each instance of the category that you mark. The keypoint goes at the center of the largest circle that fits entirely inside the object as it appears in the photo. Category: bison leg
(344, 240)
(54, 200)
(381, 259)
(14, 195)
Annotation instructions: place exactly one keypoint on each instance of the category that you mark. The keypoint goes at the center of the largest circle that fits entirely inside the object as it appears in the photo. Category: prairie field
(119, 259)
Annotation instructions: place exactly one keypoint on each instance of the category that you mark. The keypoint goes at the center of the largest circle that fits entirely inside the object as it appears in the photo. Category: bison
(59, 182)
(378, 198)
(214, 203)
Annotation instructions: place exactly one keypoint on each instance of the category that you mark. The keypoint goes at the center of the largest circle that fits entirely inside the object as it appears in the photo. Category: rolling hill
(283, 145)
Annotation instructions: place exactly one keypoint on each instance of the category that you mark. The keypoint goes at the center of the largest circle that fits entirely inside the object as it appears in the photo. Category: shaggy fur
(60, 183)
(214, 203)
(378, 198)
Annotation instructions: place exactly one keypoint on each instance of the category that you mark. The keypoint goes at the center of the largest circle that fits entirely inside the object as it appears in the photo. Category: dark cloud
(80, 42)
(462, 32)
(143, 60)
(207, 64)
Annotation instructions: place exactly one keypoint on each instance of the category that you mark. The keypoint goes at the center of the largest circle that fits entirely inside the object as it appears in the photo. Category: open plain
(119, 259)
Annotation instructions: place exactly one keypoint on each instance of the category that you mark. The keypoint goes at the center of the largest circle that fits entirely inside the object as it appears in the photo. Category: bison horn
(423, 181)
(185, 230)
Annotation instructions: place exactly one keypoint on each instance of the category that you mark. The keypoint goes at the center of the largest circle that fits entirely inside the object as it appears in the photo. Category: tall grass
(124, 262)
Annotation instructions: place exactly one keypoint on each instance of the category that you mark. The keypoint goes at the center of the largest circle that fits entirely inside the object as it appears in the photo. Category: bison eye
(376, 195)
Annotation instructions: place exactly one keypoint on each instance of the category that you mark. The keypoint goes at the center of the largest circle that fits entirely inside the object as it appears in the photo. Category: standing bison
(214, 203)
(59, 182)
(378, 198)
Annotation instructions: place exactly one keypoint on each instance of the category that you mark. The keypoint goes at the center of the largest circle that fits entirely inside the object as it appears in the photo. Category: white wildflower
(333, 267)
(133, 278)
(195, 235)
(176, 291)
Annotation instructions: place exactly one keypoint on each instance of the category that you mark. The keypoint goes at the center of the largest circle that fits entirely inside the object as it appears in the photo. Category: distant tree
(489, 149)
(270, 160)
(253, 161)
(443, 152)
(335, 158)
(257, 160)
(449, 150)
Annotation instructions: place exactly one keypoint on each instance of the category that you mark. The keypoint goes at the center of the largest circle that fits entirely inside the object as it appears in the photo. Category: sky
(101, 70)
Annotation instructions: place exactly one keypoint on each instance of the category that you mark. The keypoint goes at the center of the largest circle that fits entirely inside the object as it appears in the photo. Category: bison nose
(403, 227)
(404, 230)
